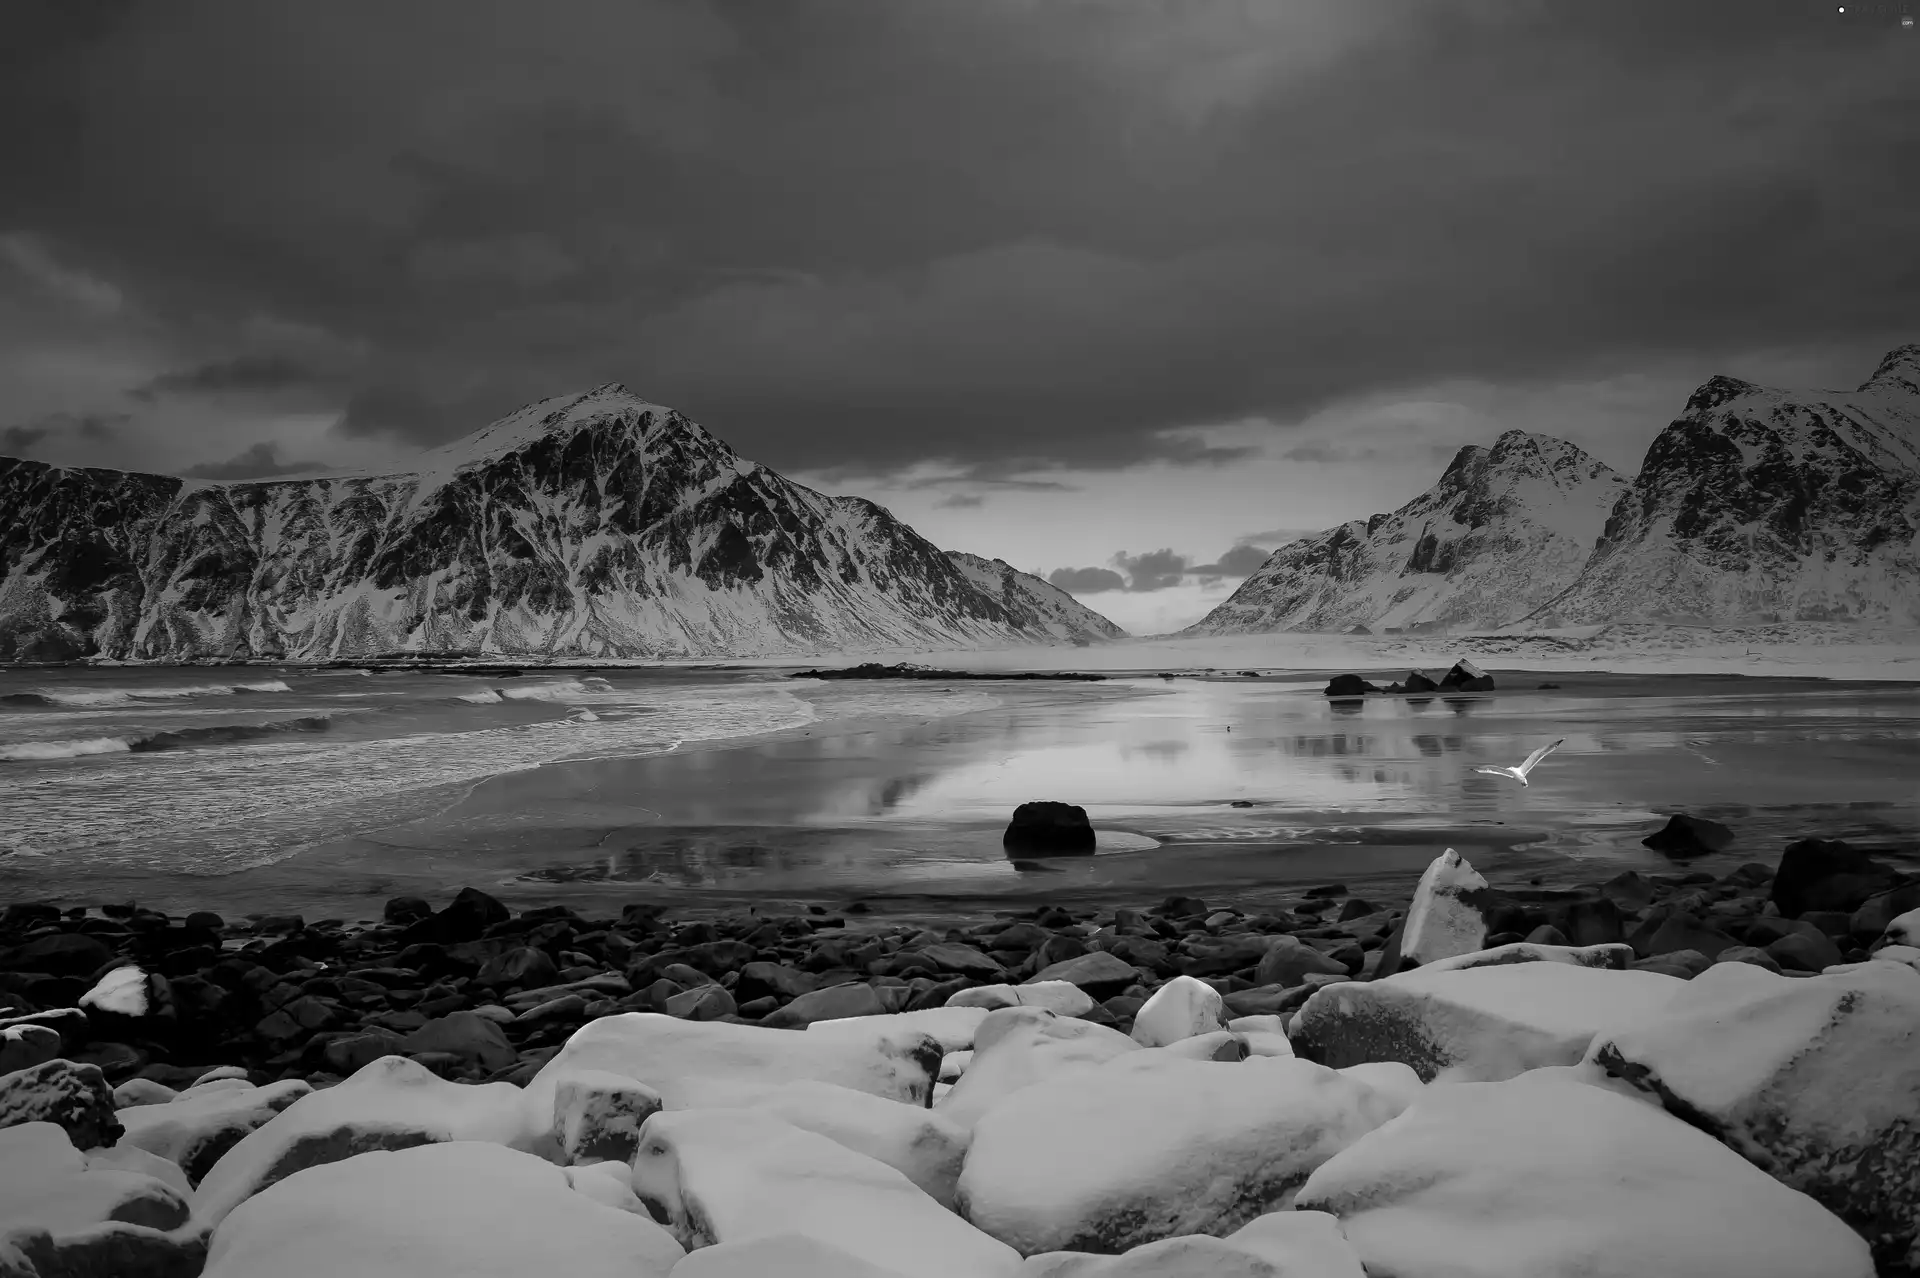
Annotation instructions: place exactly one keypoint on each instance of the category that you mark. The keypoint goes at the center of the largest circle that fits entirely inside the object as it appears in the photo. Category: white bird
(1520, 773)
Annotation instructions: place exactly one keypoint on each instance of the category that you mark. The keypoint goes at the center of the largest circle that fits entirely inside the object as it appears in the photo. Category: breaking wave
(147, 743)
(133, 696)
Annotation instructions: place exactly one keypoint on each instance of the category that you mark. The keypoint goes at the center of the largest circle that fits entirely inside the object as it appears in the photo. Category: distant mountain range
(1754, 505)
(595, 525)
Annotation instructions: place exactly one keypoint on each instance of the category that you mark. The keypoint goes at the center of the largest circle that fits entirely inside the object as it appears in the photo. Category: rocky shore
(1680, 1074)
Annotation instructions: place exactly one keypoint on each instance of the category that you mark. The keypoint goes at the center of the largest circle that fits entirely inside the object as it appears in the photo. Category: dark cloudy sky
(1066, 281)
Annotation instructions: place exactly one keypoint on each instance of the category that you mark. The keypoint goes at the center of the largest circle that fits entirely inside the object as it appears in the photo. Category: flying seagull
(1520, 773)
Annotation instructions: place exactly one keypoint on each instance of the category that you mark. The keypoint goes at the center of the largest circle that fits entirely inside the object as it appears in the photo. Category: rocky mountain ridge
(1501, 532)
(594, 525)
(1756, 505)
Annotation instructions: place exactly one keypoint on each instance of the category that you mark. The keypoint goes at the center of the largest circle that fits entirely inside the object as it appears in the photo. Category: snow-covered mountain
(1767, 505)
(586, 526)
(1033, 603)
(1505, 529)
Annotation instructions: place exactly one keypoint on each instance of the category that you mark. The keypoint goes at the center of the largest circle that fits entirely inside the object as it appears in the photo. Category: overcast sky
(1069, 282)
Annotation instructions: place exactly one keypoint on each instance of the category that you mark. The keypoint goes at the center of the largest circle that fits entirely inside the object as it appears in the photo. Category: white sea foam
(28, 751)
(214, 811)
(131, 696)
(485, 697)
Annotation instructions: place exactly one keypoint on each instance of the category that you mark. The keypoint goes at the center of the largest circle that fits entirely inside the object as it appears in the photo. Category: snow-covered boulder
(1105, 1158)
(785, 1255)
(142, 1091)
(27, 1045)
(1016, 1047)
(1478, 1024)
(925, 1147)
(1615, 955)
(196, 1127)
(73, 1096)
(1544, 1177)
(62, 1214)
(1816, 1080)
(1302, 1244)
(1183, 1007)
(127, 1158)
(597, 1116)
(394, 1103)
(671, 1055)
(1904, 930)
(1192, 1256)
(732, 1175)
(1446, 915)
(952, 1027)
(1063, 998)
(459, 1210)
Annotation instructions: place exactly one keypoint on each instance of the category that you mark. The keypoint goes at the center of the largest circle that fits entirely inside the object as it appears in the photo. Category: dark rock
(1871, 919)
(1685, 964)
(1748, 954)
(24, 1046)
(522, 966)
(349, 1053)
(205, 921)
(1348, 685)
(1629, 890)
(1182, 907)
(1685, 835)
(1806, 952)
(1836, 924)
(762, 979)
(830, 1004)
(1326, 890)
(1355, 908)
(1049, 829)
(58, 954)
(465, 1035)
(1822, 874)
(1667, 931)
(1466, 677)
(1545, 934)
(1595, 922)
(1288, 961)
(21, 915)
(74, 1096)
(1417, 681)
(406, 909)
(1100, 975)
(704, 1003)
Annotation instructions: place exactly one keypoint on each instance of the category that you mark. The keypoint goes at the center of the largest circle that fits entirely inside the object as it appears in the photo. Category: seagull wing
(1496, 772)
(1540, 754)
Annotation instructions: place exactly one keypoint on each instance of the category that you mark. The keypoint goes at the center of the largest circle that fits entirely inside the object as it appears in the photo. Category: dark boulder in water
(1685, 835)
(1348, 685)
(1466, 677)
(1049, 829)
(1826, 874)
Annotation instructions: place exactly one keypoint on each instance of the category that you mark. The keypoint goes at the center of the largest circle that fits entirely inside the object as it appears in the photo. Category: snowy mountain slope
(1503, 530)
(1034, 603)
(1767, 505)
(591, 525)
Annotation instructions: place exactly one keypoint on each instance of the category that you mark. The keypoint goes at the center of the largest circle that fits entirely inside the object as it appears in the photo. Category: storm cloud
(846, 234)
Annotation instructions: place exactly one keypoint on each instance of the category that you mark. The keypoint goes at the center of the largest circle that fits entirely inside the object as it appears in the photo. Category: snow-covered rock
(1544, 1177)
(1759, 505)
(1193, 1256)
(1016, 1047)
(925, 1147)
(951, 1026)
(195, 1128)
(122, 992)
(128, 1158)
(730, 1175)
(787, 1255)
(1816, 1080)
(1502, 531)
(65, 1215)
(24, 1046)
(1182, 1008)
(1063, 998)
(1306, 1244)
(393, 1103)
(1445, 918)
(586, 525)
(142, 1091)
(1904, 930)
(459, 1210)
(1476, 1024)
(676, 1058)
(598, 1115)
(1617, 956)
(1104, 1158)
(74, 1096)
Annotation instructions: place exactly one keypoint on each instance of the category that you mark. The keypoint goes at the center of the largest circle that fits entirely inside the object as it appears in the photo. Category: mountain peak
(1899, 371)
(559, 415)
